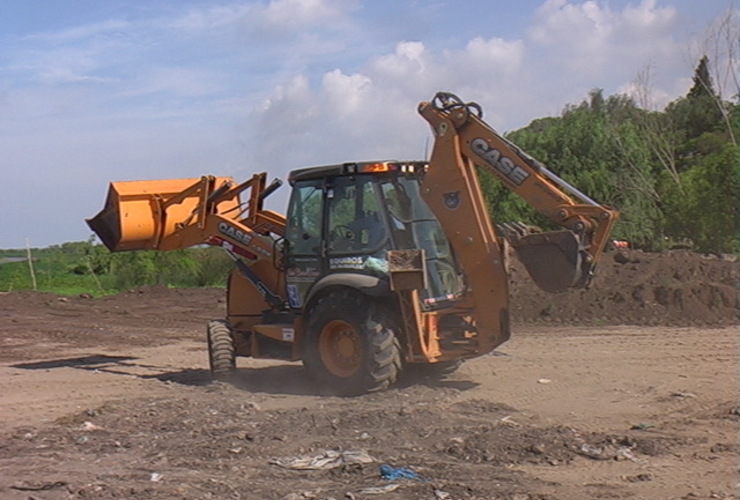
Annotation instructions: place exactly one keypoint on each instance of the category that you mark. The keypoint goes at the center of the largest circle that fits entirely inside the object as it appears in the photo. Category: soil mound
(673, 288)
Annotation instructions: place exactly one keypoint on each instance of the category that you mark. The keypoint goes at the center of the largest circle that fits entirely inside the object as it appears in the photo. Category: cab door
(357, 236)
(305, 240)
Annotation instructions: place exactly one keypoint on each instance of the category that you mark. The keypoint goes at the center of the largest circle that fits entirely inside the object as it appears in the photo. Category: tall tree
(596, 147)
(722, 42)
(703, 86)
(700, 112)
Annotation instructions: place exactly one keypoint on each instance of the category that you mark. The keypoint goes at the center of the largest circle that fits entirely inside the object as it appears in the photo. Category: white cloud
(345, 93)
(278, 19)
(297, 90)
(292, 14)
(505, 56)
(648, 16)
(559, 21)
(407, 59)
(576, 46)
(590, 37)
(571, 48)
(288, 115)
(380, 100)
(235, 87)
(371, 114)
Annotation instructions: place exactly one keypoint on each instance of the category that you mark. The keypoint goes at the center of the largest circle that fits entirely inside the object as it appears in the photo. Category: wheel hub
(340, 346)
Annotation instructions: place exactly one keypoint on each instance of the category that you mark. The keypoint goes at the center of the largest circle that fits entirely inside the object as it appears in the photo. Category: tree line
(673, 174)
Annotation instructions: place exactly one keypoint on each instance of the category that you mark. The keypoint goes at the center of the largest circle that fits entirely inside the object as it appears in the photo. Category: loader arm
(464, 143)
(181, 213)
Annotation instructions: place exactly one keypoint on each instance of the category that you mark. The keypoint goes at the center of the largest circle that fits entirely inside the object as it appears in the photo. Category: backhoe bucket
(137, 214)
(553, 259)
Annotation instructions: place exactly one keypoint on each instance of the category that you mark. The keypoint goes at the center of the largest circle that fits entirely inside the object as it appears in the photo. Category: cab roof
(352, 168)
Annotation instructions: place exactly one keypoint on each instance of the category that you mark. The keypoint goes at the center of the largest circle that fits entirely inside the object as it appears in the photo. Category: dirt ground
(628, 390)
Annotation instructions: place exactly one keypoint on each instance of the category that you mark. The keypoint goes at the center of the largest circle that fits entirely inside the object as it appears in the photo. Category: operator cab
(343, 219)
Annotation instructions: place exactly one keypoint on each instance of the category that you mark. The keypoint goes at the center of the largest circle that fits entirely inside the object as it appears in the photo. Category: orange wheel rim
(340, 348)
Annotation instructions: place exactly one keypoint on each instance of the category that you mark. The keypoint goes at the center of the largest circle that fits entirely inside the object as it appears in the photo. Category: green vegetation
(673, 174)
(84, 267)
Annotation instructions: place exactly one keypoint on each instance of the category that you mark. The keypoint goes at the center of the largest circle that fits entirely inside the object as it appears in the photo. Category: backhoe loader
(377, 266)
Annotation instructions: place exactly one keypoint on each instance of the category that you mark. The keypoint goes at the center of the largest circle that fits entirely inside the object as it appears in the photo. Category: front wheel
(351, 348)
(221, 354)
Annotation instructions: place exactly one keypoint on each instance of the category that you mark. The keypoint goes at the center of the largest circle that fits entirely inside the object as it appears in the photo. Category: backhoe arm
(464, 142)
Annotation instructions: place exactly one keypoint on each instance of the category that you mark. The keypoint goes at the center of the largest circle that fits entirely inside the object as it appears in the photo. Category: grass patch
(83, 268)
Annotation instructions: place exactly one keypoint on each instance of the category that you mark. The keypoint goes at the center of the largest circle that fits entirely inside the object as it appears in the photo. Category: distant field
(82, 267)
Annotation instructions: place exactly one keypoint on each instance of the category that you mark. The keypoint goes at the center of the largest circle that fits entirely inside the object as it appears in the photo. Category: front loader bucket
(554, 260)
(137, 214)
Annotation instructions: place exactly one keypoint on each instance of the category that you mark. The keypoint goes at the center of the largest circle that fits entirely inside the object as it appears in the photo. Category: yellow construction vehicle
(377, 265)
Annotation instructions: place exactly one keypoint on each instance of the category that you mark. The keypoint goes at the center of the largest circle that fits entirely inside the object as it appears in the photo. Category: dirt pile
(675, 288)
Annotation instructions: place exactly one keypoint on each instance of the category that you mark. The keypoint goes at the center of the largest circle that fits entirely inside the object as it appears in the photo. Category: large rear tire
(221, 354)
(351, 347)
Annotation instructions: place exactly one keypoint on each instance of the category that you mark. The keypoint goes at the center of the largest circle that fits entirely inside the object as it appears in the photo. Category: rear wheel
(221, 354)
(350, 346)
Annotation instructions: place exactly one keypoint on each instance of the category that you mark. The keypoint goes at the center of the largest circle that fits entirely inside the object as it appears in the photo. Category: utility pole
(30, 264)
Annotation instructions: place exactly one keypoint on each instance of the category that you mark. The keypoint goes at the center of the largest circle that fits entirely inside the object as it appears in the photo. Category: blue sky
(93, 91)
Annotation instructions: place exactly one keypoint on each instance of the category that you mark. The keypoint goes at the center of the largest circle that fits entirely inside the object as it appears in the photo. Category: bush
(704, 209)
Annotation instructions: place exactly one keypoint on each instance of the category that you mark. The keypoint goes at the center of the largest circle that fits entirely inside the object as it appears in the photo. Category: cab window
(355, 224)
(304, 221)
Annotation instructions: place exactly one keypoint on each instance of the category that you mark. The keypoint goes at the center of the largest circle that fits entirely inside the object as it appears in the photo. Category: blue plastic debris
(392, 473)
